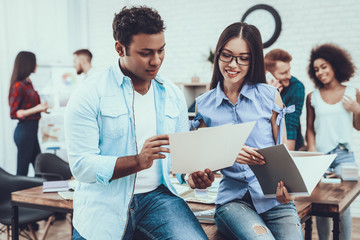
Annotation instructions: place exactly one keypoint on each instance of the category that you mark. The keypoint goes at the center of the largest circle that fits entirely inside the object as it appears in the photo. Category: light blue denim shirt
(255, 103)
(99, 128)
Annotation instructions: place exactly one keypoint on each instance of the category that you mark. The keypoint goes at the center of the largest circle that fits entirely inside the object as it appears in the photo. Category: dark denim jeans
(159, 214)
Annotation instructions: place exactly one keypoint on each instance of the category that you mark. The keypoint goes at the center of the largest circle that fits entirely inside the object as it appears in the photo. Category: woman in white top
(333, 109)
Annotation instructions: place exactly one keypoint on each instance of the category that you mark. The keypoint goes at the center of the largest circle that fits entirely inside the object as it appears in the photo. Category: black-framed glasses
(243, 60)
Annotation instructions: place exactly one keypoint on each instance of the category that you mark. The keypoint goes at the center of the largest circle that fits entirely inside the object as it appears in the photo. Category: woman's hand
(282, 195)
(42, 107)
(250, 156)
(350, 105)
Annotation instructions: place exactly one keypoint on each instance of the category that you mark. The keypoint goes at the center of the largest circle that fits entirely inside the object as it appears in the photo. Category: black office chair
(51, 167)
(10, 183)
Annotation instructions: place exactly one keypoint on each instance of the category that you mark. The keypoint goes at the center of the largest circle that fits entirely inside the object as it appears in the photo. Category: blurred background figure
(25, 106)
(333, 109)
(292, 91)
(82, 62)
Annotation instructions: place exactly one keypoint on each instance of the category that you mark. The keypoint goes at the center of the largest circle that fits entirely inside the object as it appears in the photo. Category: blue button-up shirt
(255, 103)
(99, 127)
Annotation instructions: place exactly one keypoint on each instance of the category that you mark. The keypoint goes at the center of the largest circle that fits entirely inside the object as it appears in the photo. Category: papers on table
(55, 186)
(214, 148)
(300, 171)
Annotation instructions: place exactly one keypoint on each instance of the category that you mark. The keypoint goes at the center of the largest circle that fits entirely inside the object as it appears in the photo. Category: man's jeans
(239, 220)
(159, 215)
(323, 223)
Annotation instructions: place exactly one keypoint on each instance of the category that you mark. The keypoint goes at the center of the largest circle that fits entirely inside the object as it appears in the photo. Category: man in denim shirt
(292, 92)
(116, 129)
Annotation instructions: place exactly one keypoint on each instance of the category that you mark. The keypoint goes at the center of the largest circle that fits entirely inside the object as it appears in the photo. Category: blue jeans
(159, 214)
(239, 220)
(323, 224)
(26, 140)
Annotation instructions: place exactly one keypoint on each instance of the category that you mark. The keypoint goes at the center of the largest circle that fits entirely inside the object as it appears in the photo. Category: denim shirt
(99, 128)
(255, 103)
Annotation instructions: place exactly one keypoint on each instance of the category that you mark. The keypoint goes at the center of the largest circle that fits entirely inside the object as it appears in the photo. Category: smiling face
(282, 73)
(142, 59)
(232, 72)
(324, 71)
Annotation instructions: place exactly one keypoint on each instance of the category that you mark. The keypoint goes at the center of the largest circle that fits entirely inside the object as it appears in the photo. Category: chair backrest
(51, 167)
(10, 183)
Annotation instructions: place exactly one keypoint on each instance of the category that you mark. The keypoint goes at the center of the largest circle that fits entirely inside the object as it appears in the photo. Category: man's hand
(201, 180)
(151, 150)
(275, 83)
(282, 195)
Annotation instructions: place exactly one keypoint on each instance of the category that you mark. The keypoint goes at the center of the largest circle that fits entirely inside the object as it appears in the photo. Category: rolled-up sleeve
(82, 138)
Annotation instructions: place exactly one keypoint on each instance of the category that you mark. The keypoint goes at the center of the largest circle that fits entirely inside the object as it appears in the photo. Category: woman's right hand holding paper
(249, 155)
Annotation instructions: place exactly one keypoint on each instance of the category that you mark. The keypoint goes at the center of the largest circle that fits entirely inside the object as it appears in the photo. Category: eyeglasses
(243, 60)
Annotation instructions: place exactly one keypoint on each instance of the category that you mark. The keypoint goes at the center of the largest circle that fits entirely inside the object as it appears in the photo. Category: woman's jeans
(25, 137)
(239, 220)
(160, 215)
(323, 223)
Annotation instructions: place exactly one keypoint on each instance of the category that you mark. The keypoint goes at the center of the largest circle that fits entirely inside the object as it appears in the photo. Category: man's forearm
(290, 144)
(126, 166)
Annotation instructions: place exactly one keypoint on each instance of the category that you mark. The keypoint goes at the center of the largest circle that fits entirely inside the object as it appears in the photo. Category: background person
(292, 92)
(333, 110)
(25, 106)
(239, 94)
(82, 62)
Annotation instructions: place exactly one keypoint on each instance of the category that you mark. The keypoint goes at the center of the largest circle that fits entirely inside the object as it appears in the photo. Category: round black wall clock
(267, 20)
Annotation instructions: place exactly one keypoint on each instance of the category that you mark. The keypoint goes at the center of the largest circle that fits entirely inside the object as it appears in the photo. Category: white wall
(49, 28)
(193, 27)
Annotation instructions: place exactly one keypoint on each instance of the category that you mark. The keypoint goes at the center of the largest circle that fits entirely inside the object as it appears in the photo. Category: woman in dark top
(25, 105)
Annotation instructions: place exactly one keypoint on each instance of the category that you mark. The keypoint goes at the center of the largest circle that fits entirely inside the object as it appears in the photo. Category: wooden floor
(61, 230)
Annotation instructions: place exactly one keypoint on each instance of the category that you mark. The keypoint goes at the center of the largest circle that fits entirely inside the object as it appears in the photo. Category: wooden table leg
(308, 228)
(15, 222)
(336, 227)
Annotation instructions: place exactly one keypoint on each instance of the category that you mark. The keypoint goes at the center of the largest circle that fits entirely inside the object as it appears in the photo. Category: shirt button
(129, 193)
(124, 219)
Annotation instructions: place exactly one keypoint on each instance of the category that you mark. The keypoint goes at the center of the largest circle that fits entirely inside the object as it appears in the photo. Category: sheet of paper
(214, 148)
(312, 168)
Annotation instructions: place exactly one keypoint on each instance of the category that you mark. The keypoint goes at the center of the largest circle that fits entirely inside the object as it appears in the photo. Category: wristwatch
(186, 177)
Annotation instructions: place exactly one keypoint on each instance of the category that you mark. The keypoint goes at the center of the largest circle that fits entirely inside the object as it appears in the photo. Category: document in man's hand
(214, 147)
(300, 171)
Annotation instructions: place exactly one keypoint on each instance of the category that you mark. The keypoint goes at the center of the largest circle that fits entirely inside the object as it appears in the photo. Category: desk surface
(36, 196)
(332, 198)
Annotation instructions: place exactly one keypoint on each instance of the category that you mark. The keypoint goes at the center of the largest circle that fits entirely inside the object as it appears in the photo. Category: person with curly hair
(333, 110)
(116, 129)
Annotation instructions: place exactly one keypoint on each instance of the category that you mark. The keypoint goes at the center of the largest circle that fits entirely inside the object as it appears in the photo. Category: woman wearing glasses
(239, 94)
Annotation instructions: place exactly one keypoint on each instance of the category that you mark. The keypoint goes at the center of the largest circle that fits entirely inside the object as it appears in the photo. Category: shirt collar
(246, 91)
(120, 77)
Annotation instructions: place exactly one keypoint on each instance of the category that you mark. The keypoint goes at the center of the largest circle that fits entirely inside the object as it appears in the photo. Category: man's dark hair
(135, 20)
(339, 59)
(84, 52)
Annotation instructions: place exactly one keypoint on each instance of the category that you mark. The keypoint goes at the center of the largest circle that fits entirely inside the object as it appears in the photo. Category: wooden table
(331, 200)
(35, 198)
(326, 200)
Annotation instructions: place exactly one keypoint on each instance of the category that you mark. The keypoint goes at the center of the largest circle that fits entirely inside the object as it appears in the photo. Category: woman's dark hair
(252, 37)
(135, 20)
(24, 65)
(339, 59)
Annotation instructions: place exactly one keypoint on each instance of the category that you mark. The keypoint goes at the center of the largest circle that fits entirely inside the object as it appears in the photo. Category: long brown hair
(24, 65)
(252, 37)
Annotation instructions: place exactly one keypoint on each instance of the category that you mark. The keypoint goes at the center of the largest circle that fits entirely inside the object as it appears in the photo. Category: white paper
(215, 148)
